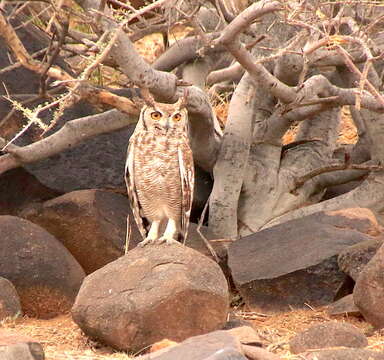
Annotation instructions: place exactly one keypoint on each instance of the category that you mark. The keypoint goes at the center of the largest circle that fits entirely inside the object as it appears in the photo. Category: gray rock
(328, 334)
(344, 306)
(9, 300)
(344, 354)
(226, 354)
(152, 293)
(368, 293)
(294, 263)
(353, 259)
(203, 347)
(17, 347)
(91, 224)
(45, 275)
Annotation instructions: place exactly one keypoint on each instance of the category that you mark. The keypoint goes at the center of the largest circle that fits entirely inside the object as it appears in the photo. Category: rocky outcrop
(295, 263)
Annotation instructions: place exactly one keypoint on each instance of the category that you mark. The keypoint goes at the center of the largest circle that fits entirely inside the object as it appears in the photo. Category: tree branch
(71, 134)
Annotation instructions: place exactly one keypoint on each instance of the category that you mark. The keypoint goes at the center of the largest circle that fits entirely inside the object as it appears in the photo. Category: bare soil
(63, 340)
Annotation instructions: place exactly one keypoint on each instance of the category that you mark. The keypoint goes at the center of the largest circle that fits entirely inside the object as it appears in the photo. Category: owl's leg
(170, 233)
(153, 234)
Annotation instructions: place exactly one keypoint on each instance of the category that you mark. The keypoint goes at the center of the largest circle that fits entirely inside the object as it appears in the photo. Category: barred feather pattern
(159, 170)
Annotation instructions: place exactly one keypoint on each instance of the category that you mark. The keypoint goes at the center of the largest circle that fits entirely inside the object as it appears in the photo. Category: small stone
(344, 354)
(9, 300)
(216, 344)
(17, 347)
(328, 334)
(344, 306)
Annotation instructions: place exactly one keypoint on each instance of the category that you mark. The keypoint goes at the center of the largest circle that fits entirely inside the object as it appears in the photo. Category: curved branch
(184, 50)
(231, 73)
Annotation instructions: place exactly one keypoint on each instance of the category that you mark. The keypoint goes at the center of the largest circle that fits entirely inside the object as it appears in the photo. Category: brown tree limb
(299, 182)
(13, 41)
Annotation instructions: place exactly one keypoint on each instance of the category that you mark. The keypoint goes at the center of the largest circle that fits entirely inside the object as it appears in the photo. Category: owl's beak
(166, 126)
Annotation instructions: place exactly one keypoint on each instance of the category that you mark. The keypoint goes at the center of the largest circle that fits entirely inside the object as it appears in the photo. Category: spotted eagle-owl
(159, 173)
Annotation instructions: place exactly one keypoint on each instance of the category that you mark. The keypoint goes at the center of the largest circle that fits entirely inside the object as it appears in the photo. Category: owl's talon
(167, 240)
(146, 242)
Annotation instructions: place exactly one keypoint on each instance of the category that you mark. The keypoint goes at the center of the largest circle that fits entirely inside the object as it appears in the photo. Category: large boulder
(91, 224)
(353, 259)
(9, 300)
(17, 347)
(326, 335)
(295, 263)
(152, 293)
(369, 290)
(46, 276)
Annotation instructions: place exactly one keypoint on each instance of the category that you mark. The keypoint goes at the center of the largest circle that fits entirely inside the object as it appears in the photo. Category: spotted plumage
(159, 173)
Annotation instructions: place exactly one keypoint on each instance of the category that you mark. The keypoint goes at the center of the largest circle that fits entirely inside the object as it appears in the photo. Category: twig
(206, 241)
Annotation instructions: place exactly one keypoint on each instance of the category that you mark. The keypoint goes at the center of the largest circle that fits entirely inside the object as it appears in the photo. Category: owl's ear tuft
(147, 97)
(182, 102)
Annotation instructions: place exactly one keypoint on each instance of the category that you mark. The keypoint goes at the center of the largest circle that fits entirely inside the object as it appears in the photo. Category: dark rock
(18, 188)
(344, 354)
(152, 293)
(294, 263)
(46, 276)
(91, 224)
(353, 259)
(328, 334)
(345, 288)
(17, 347)
(95, 163)
(9, 300)
(344, 306)
(369, 290)
(199, 348)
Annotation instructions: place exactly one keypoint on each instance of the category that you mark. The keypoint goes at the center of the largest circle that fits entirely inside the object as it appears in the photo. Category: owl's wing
(187, 176)
(131, 187)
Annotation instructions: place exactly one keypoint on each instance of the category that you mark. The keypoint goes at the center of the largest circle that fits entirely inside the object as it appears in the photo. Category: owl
(159, 173)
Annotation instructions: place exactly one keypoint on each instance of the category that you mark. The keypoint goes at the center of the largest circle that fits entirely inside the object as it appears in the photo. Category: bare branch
(72, 133)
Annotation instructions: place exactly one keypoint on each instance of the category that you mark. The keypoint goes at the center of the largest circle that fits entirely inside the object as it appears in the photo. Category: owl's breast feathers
(157, 173)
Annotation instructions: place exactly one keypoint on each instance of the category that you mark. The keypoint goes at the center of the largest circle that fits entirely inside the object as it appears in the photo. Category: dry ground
(63, 340)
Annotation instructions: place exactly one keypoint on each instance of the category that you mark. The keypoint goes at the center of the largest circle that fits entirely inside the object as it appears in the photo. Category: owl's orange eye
(177, 117)
(156, 115)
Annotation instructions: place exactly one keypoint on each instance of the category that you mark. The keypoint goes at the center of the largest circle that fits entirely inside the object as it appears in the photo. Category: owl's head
(164, 117)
